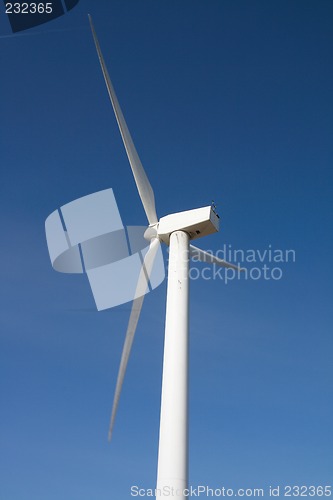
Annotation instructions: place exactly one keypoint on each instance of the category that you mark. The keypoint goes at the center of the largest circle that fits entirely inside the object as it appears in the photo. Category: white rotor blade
(203, 256)
(132, 323)
(145, 190)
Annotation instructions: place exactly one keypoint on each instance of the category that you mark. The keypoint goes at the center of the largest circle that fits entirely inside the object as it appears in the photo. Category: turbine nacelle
(196, 223)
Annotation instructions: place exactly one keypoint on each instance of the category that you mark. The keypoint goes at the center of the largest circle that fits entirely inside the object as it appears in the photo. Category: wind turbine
(175, 230)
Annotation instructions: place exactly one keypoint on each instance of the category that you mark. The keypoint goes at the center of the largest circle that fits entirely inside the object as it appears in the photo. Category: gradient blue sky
(230, 100)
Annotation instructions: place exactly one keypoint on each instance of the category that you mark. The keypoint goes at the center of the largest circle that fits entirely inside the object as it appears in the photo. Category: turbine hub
(151, 232)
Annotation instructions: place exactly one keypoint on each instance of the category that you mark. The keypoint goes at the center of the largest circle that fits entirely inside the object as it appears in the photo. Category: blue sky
(225, 100)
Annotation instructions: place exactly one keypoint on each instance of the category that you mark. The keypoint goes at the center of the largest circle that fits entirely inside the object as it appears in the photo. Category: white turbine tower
(175, 230)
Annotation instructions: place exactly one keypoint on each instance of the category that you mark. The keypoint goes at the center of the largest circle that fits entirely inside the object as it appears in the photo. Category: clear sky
(225, 100)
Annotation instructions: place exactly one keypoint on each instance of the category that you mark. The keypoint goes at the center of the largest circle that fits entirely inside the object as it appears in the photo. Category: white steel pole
(172, 473)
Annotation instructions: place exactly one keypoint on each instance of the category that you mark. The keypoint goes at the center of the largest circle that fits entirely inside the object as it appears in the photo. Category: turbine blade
(142, 183)
(132, 324)
(204, 256)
